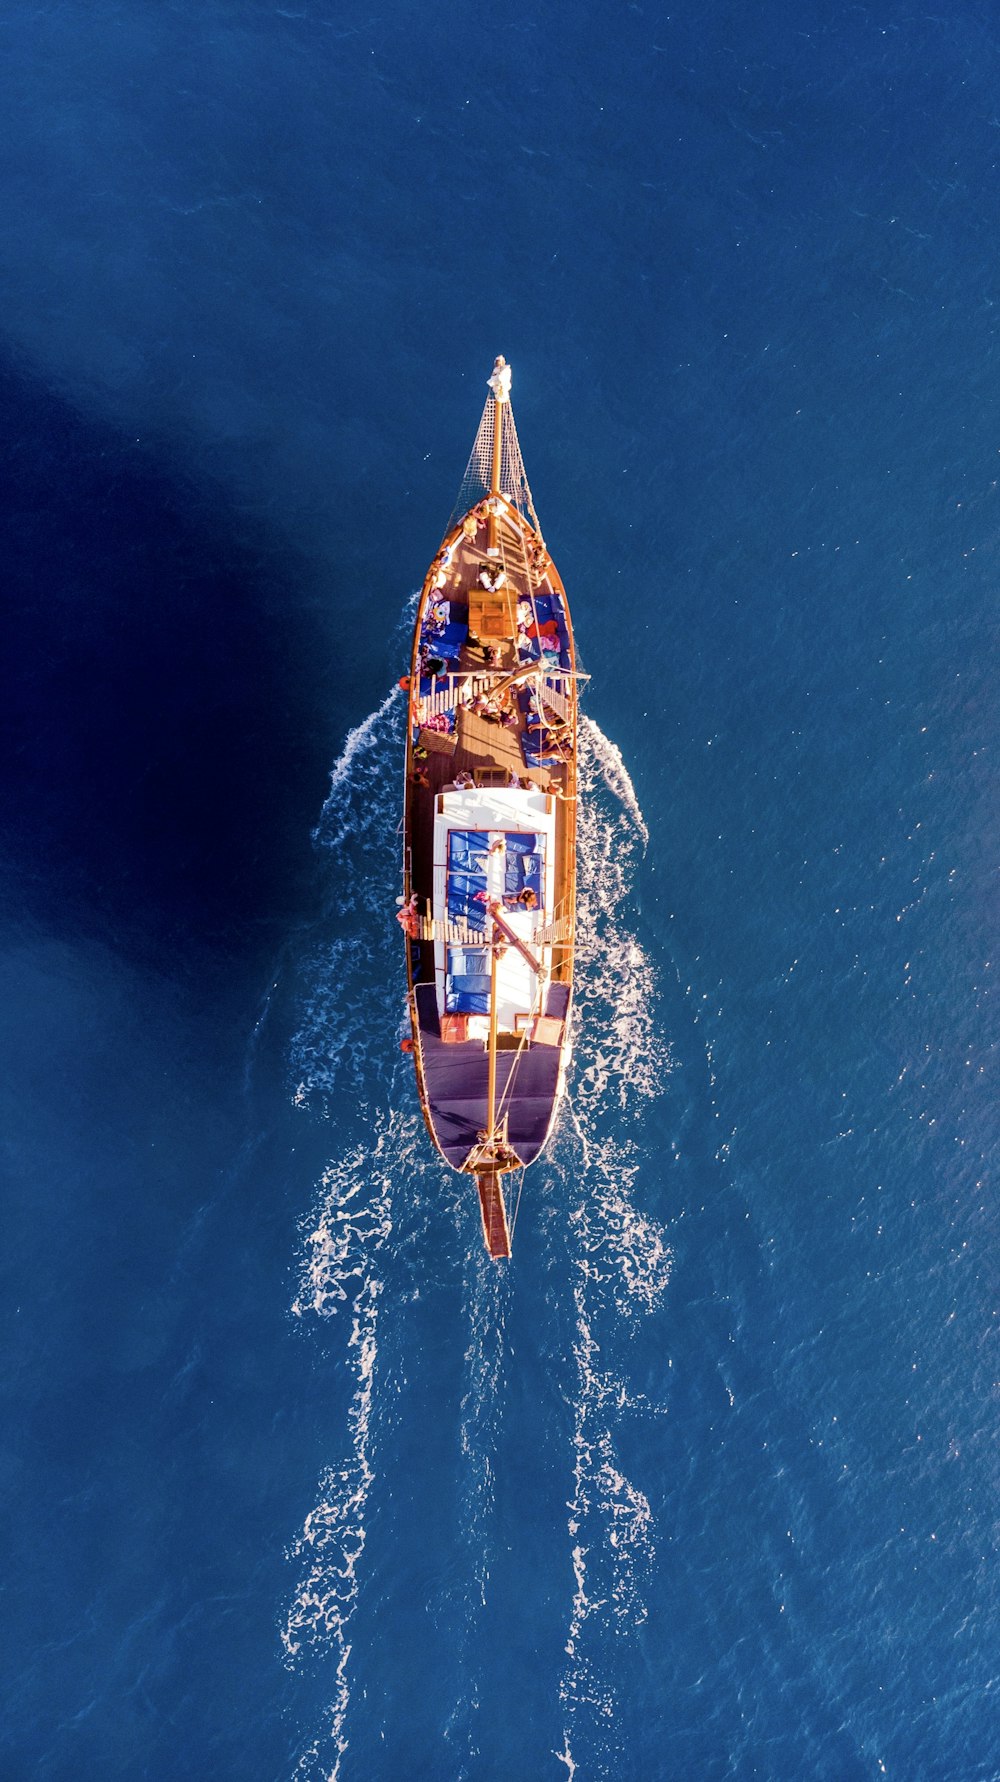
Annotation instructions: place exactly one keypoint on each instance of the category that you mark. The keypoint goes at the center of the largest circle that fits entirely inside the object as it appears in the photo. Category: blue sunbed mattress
(467, 996)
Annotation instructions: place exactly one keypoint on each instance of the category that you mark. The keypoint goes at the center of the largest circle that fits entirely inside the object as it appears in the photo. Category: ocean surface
(295, 1483)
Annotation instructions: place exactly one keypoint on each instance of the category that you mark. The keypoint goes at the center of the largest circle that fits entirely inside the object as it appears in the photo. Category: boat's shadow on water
(391, 1259)
(152, 639)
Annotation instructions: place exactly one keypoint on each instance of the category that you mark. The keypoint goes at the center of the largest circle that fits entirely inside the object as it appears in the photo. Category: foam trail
(607, 758)
(566, 1756)
(481, 1406)
(620, 1256)
(488, 1291)
(346, 1038)
(358, 766)
(332, 1544)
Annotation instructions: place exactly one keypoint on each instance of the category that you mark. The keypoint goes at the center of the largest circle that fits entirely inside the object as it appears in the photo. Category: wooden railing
(447, 689)
(553, 690)
(459, 934)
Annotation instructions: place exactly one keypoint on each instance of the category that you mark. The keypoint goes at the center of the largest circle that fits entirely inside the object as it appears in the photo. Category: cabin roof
(484, 839)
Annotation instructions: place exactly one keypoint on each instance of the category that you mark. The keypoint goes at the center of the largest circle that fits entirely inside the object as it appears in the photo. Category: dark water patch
(170, 700)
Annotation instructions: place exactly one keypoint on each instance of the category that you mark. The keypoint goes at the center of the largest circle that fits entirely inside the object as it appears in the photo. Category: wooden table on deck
(491, 616)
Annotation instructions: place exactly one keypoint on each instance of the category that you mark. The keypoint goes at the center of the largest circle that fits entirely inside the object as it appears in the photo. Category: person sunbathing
(561, 745)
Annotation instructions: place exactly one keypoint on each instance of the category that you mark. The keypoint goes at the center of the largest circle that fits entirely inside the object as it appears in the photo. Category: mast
(496, 467)
(492, 1154)
(500, 385)
(491, 1091)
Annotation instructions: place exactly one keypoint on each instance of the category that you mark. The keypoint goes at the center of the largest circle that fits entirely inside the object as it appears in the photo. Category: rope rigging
(475, 484)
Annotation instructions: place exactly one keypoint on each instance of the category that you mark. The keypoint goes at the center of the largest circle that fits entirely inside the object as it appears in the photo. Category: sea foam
(618, 1255)
(615, 1265)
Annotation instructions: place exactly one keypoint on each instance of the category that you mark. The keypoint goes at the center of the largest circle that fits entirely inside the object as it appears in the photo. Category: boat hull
(489, 864)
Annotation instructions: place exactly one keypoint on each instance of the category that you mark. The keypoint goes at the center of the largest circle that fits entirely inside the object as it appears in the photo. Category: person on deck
(408, 918)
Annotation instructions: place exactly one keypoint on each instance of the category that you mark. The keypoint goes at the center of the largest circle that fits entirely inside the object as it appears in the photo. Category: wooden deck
(484, 748)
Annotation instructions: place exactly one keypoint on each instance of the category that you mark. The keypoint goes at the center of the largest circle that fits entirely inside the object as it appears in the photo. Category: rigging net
(513, 479)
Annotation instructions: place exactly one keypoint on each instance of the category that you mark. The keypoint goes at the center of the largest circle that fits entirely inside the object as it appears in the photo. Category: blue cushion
(466, 887)
(448, 643)
(525, 874)
(468, 962)
(466, 996)
(550, 606)
(463, 842)
(467, 897)
(468, 850)
(473, 915)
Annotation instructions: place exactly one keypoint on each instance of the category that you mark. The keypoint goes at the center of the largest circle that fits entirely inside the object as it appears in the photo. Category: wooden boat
(489, 861)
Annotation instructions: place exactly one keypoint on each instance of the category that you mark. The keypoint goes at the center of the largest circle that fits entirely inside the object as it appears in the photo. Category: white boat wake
(613, 1253)
(344, 1041)
(486, 1302)
(619, 1256)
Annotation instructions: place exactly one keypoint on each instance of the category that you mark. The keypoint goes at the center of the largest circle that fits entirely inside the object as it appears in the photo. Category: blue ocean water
(295, 1483)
